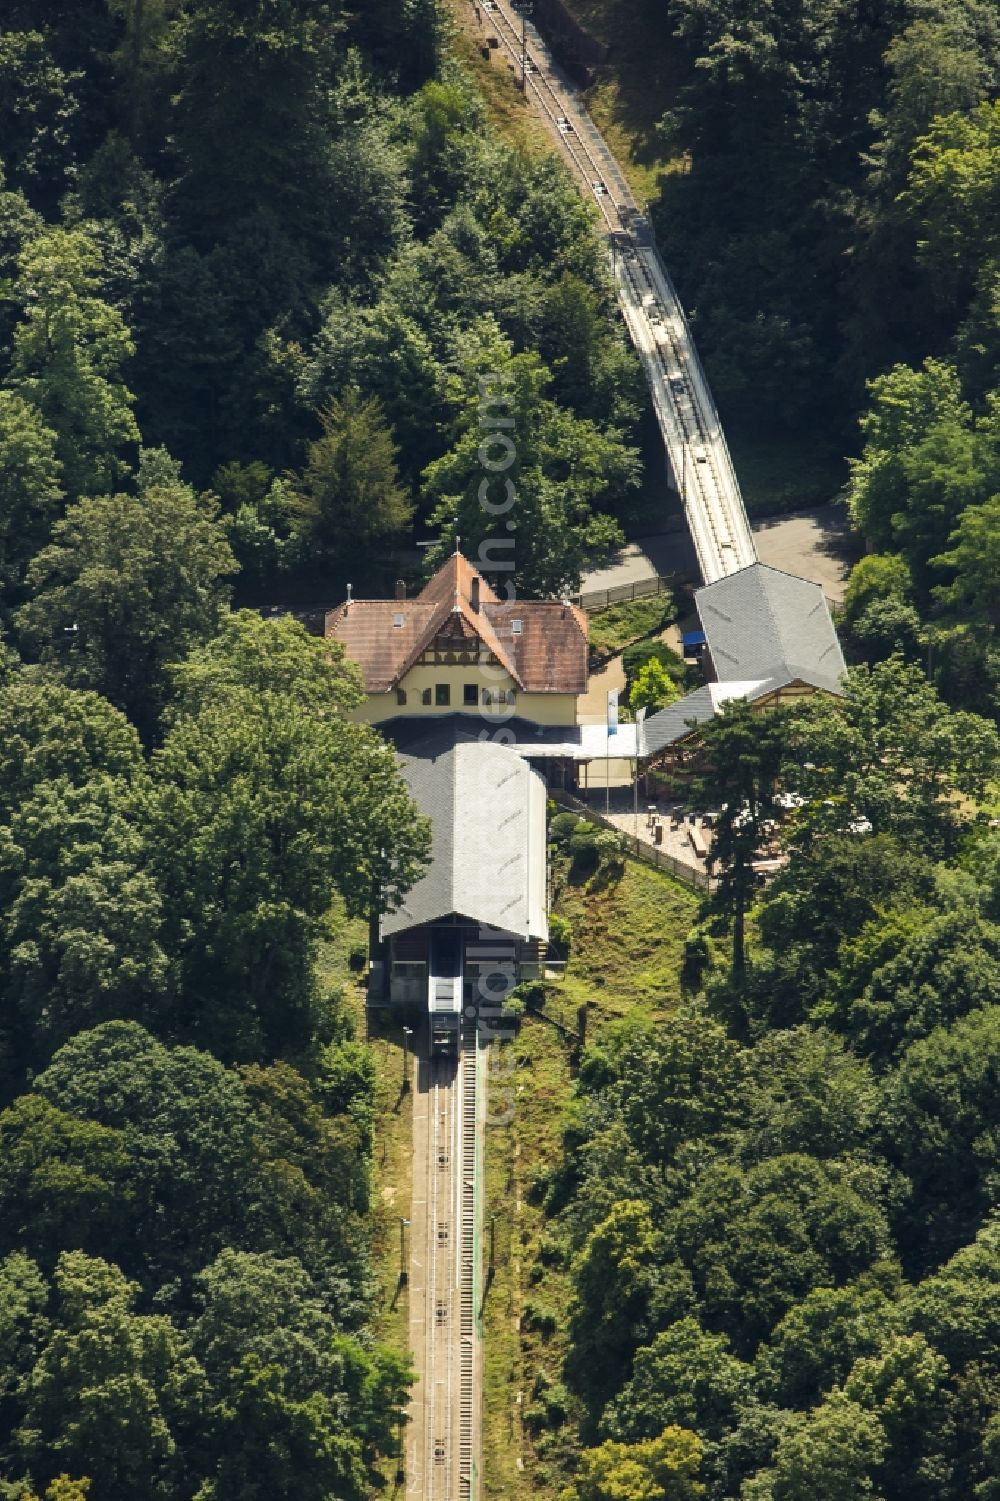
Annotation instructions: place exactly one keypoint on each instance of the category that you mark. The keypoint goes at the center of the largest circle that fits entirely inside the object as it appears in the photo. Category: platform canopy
(487, 812)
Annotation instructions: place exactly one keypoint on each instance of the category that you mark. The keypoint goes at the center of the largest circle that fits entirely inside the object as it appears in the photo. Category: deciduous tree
(128, 584)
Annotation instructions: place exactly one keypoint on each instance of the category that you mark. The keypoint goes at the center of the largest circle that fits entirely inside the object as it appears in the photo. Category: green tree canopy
(814, 1347)
(68, 355)
(115, 1394)
(685, 1378)
(910, 972)
(957, 1307)
(275, 659)
(757, 1242)
(128, 585)
(973, 556)
(878, 576)
(955, 193)
(829, 1454)
(187, 1128)
(738, 778)
(30, 492)
(664, 1468)
(38, 104)
(806, 1092)
(892, 757)
(323, 1406)
(256, 816)
(50, 733)
(941, 1123)
(653, 687)
(81, 916)
(542, 471)
(63, 1181)
(348, 497)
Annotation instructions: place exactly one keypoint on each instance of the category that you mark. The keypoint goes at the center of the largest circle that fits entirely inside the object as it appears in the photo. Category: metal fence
(593, 600)
(691, 875)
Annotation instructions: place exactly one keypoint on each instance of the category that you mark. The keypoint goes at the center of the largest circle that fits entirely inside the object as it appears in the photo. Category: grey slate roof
(656, 731)
(764, 629)
(487, 811)
(659, 730)
(762, 624)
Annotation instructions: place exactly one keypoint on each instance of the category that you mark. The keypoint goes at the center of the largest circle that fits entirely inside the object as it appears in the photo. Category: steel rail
(657, 324)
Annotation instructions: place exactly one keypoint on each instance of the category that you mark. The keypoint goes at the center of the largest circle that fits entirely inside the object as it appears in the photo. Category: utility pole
(403, 1274)
(407, 1034)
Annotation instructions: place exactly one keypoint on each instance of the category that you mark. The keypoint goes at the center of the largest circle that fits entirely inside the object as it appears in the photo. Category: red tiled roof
(550, 651)
(453, 580)
(547, 655)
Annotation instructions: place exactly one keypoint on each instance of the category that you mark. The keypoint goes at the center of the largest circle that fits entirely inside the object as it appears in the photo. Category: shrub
(560, 935)
(562, 829)
(636, 657)
(540, 1318)
(584, 848)
(610, 851)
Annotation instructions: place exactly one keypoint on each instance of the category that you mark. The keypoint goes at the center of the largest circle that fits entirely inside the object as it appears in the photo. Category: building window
(425, 697)
(401, 695)
(442, 695)
(470, 695)
(499, 696)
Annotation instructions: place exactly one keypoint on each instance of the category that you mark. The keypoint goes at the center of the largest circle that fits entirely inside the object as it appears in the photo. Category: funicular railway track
(443, 1437)
(442, 1461)
(685, 410)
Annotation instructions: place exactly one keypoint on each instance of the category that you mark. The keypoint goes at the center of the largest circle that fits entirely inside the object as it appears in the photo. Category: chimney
(400, 588)
(474, 593)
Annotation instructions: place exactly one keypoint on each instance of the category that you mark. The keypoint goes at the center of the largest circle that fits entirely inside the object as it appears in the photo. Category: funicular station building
(481, 698)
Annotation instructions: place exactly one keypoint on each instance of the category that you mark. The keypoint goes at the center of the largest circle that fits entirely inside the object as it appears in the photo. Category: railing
(593, 600)
(691, 875)
(468, 1270)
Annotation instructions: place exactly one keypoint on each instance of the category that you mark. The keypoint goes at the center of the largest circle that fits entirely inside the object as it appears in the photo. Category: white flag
(612, 710)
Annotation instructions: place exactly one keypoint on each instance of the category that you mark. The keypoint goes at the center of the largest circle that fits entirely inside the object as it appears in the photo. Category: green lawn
(638, 87)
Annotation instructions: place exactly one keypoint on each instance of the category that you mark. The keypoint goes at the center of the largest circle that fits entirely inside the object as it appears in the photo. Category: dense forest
(276, 241)
(776, 1212)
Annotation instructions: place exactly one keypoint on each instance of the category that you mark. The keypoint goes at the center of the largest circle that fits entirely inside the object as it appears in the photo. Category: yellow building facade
(455, 648)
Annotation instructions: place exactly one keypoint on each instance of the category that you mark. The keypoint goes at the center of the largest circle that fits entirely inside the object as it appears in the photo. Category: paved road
(816, 544)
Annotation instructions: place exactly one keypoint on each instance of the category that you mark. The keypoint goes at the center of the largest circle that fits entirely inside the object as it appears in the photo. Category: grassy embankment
(392, 1165)
(618, 626)
(625, 960)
